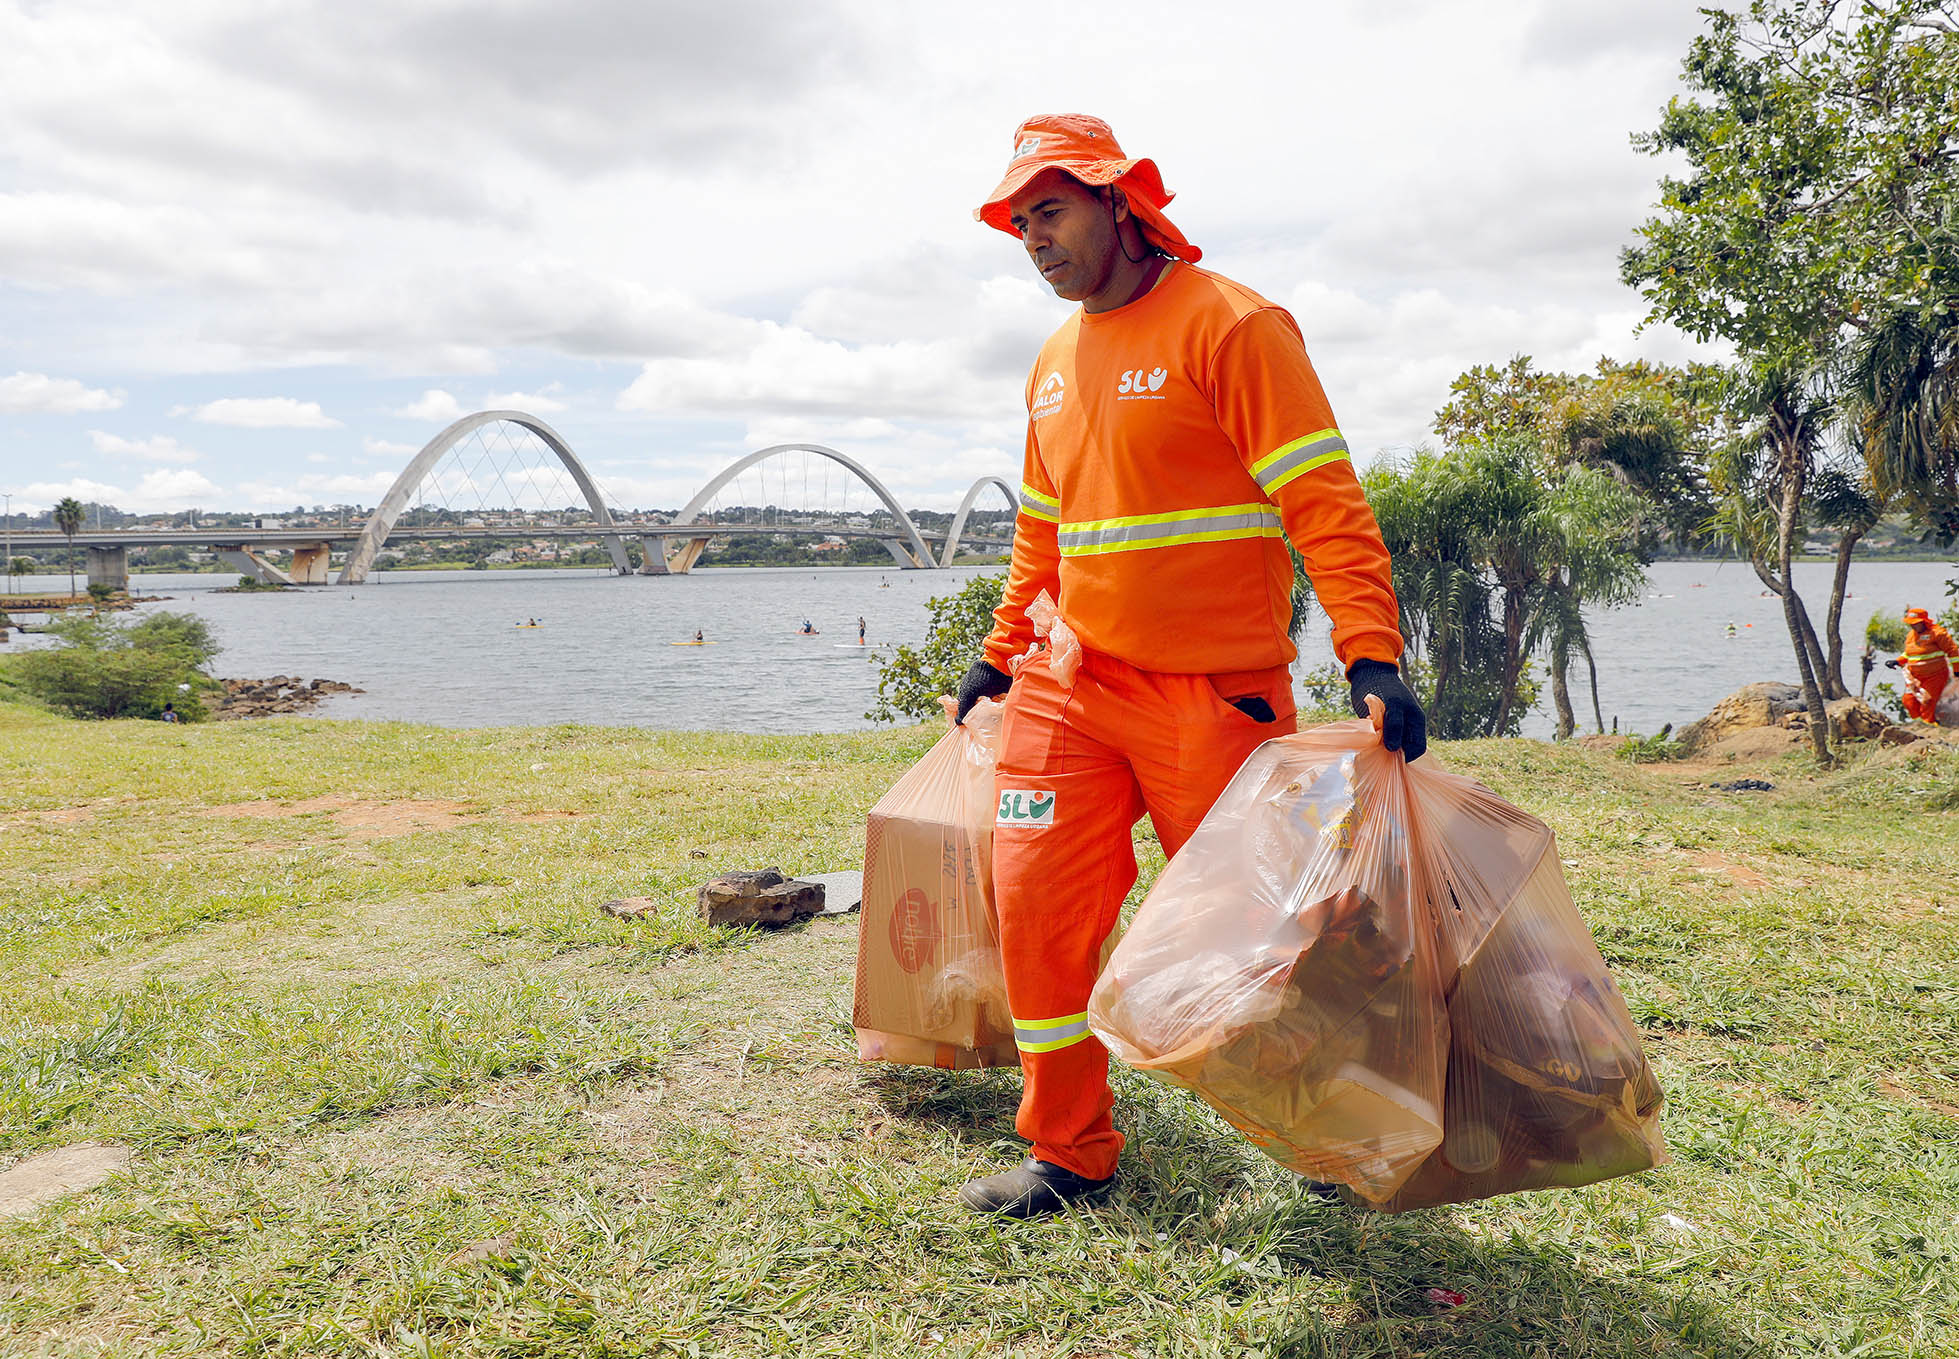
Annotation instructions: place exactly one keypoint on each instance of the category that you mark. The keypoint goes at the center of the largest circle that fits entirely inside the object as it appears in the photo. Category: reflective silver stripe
(1143, 531)
(1296, 459)
(1039, 506)
(1048, 1035)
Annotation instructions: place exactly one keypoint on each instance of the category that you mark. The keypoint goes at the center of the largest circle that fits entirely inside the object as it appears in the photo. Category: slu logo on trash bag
(1026, 807)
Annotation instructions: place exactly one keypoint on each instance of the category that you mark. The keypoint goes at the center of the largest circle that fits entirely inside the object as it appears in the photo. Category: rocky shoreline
(244, 698)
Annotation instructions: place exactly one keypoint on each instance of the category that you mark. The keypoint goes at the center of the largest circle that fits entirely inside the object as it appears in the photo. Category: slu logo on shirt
(1136, 384)
(1026, 807)
(1048, 399)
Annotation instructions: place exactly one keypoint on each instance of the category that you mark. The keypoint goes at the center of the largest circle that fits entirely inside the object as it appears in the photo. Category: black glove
(1404, 727)
(1893, 663)
(982, 681)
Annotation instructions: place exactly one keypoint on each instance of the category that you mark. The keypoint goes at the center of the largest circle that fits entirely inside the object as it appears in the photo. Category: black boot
(1031, 1189)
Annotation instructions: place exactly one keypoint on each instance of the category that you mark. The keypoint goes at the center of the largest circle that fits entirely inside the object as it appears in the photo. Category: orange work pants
(1921, 698)
(1077, 767)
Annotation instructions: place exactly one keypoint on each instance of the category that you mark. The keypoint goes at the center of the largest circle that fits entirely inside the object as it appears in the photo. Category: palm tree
(1902, 383)
(1763, 476)
(68, 517)
(1587, 542)
(1428, 519)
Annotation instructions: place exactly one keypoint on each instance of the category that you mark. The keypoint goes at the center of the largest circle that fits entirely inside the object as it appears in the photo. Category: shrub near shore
(395, 1086)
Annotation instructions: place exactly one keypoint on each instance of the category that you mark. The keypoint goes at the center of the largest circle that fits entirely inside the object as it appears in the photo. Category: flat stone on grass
(842, 892)
(56, 1174)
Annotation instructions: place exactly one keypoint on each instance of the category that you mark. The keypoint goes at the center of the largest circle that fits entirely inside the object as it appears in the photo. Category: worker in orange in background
(1926, 649)
(1176, 436)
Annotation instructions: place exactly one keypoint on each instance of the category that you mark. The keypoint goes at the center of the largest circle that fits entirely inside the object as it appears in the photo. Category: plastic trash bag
(1064, 649)
(1374, 971)
(1280, 967)
(930, 991)
(1548, 1083)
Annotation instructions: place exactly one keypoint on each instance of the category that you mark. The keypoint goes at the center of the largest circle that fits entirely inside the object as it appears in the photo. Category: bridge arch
(381, 523)
(951, 549)
(913, 552)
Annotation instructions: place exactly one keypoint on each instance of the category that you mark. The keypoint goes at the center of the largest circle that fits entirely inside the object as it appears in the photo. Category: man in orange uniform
(1925, 661)
(1176, 435)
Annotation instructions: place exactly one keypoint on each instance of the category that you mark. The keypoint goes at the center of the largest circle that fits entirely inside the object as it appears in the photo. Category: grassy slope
(347, 1049)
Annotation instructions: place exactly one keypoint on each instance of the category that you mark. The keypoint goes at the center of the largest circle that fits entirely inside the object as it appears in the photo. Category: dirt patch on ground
(54, 816)
(1740, 874)
(373, 819)
(547, 816)
(1900, 1092)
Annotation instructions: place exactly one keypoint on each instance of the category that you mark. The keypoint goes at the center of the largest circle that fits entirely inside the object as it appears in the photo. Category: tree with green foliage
(1496, 556)
(910, 684)
(1821, 202)
(1650, 426)
(1902, 390)
(68, 516)
(24, 566)
(102, 666)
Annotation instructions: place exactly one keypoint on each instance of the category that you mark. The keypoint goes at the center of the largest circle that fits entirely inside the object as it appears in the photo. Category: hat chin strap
(1149, 247)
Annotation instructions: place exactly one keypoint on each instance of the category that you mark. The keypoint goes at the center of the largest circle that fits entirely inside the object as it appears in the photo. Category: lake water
(443, 646)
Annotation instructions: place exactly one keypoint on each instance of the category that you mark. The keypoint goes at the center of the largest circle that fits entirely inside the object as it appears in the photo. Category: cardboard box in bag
(929, 986)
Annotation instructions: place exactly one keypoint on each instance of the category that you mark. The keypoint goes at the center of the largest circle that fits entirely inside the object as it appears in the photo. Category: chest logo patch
(1140, 385)
(1048, 399)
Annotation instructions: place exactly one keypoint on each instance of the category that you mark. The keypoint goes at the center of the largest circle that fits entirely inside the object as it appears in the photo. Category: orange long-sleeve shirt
(1926, 650)
(1170, 443)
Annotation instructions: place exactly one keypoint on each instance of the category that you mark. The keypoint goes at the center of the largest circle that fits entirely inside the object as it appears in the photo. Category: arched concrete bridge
(666, 549)
(672, 550)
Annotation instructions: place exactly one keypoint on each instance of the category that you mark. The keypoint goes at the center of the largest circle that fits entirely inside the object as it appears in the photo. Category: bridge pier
(248, 563)
(683, 561)
(109, 566)
(309, 564)
(653, 556)
(902, 555)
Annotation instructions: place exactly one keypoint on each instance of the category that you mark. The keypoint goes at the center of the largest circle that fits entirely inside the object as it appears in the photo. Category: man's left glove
(1404, 727)
(981, 681)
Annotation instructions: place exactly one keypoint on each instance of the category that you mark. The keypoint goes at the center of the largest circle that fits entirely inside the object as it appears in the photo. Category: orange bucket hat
(1086, 148)
(1917, 616)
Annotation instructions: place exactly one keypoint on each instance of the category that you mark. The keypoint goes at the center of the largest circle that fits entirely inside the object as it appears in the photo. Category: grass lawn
(395, 1087)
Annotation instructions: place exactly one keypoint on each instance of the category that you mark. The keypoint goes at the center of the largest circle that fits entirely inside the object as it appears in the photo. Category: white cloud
(157, 448)
(436, 406)
(37, 393)
(165, 489)
(319, 458)
(316, 488)
(265, 412)
(697, 205)
(531, 403)
(388, 447)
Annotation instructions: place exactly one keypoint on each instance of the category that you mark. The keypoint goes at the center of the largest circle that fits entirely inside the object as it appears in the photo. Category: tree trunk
(1560, 695)
(1785, 530)
(1815, 647)
(1591, 667)
(1833, 627)
(1803, 628)
(1513, 658)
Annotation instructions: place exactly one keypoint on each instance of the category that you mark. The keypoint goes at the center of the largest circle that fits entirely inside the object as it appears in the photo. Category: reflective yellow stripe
(1296, 459)
(1049, 1035)
(1138, 532)
(1037, 505)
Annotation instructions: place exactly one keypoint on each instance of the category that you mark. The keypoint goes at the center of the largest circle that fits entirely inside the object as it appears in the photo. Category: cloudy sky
(254, 255)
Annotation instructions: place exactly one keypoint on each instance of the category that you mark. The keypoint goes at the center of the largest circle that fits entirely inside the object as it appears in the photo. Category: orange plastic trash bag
(930, 991)
(1281, 969)
(1548, 1083)
(1374, 971)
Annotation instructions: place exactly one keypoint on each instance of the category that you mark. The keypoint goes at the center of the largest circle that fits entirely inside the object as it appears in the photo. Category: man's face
(1068, 233)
